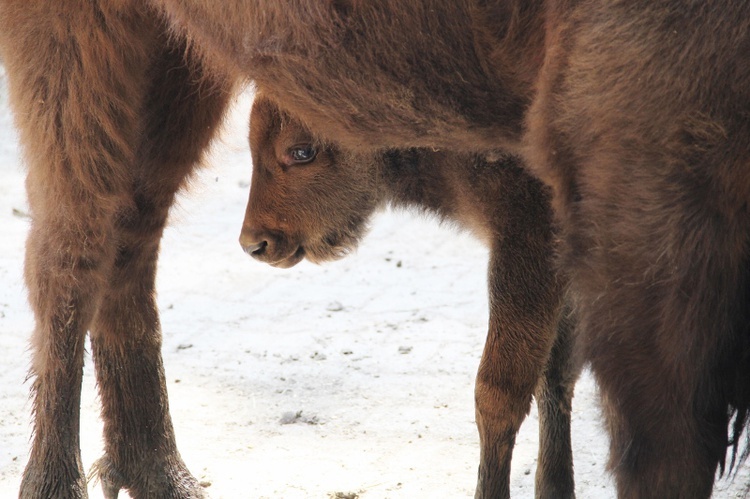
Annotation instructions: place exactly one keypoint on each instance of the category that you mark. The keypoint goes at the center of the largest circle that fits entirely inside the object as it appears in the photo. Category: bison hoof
(172, 482)
(43, 481)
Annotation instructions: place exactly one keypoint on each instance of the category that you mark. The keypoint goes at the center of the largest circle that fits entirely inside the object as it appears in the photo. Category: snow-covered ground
(350, 379)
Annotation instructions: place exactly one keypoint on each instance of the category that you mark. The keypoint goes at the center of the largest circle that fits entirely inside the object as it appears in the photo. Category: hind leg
(658, 267)
(668, 363)
(182, 111)
(651, 188)
(661, 297)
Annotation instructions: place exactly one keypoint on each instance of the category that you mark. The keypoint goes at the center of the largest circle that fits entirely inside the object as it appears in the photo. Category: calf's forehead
(265, 122)
(271, 128)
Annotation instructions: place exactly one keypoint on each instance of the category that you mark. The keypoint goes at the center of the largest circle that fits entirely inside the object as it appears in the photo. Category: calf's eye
(300, 154)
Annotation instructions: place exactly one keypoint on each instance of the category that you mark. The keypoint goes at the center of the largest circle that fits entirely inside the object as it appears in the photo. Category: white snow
(353, 377)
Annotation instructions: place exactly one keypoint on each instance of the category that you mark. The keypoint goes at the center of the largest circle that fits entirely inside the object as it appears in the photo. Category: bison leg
(554, 395)
(671, 357)
(650, 174)
(181, 113)
(85, 84)
(63, 279)
(524, 309)
(74, 81)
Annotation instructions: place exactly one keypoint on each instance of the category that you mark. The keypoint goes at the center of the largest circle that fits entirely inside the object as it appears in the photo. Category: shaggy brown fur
(314, 200)
(113, 121)
(635, 112)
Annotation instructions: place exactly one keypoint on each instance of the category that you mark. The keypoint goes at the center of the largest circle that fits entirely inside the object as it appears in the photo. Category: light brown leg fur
(525, 302)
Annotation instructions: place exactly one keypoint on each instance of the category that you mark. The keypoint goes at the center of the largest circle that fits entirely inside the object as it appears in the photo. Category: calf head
(308, 199)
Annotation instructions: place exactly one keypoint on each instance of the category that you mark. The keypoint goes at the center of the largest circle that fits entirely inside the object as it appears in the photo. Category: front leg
(183, 109)
(525, 298)
(74, 80)
(513, 360)
(554, 397)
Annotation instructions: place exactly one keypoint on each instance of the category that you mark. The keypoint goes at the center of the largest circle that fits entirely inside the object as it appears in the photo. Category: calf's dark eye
(301, 154)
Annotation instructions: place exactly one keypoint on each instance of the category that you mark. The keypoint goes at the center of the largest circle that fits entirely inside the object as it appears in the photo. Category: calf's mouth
(289, 261)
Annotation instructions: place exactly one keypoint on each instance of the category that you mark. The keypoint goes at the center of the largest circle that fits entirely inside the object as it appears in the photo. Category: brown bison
(635, 113)
(311, 199)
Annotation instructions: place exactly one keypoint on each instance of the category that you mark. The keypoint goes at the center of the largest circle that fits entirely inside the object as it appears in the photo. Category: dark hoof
(171, 482)
(45, 481)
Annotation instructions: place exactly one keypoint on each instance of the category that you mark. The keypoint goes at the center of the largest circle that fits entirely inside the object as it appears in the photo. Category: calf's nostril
(255, 249)
(260, 248)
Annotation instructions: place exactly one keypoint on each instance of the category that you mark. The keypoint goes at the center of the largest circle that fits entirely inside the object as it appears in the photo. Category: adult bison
(635, 113)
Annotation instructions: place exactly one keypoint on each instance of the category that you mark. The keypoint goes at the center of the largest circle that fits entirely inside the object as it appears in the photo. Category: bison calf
(311, 199)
